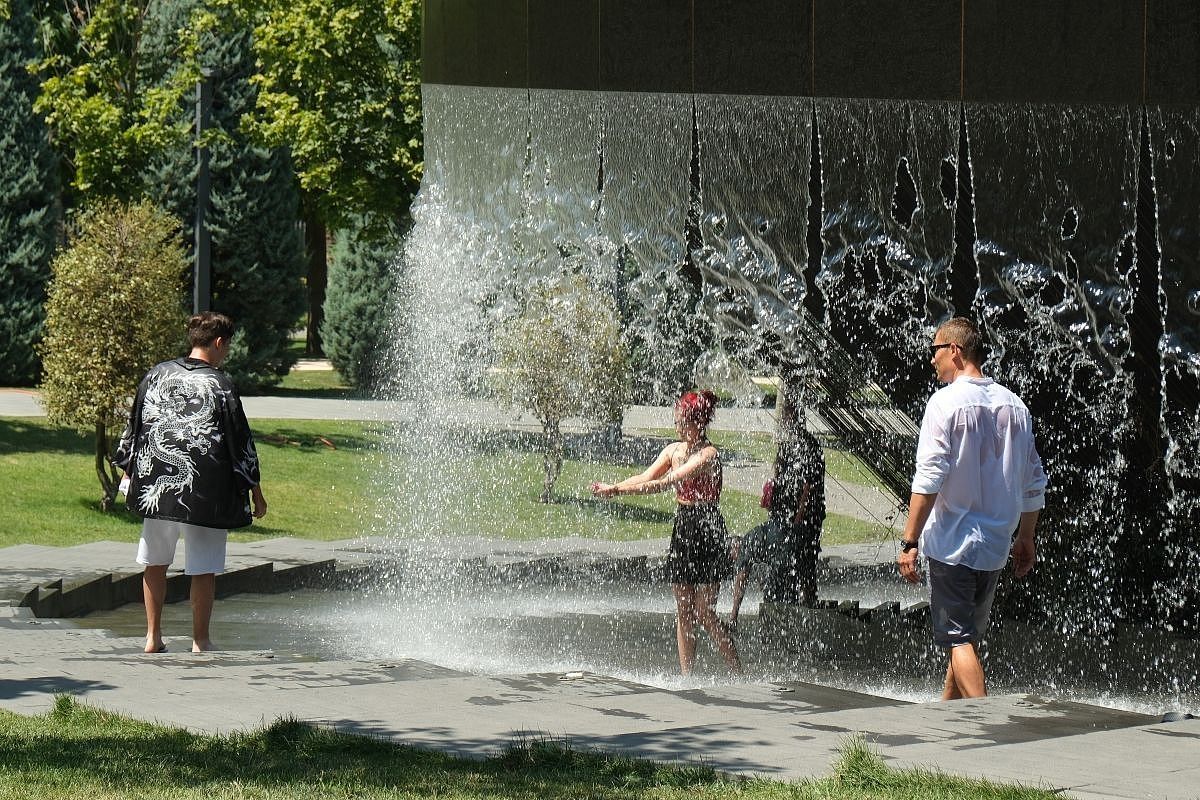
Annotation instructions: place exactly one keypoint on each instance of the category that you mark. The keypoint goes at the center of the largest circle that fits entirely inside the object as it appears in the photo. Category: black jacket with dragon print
(187, 448)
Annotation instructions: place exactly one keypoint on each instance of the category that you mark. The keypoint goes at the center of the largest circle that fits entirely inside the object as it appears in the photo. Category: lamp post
(202, 276)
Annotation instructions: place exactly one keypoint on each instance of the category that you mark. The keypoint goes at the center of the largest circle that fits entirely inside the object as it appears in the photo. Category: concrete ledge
(248, 575)
(110, 590)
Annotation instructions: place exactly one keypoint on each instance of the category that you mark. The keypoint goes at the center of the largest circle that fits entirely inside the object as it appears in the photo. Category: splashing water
(694, 213)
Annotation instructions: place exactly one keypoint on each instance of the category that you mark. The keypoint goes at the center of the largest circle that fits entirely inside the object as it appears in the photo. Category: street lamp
(202, 276)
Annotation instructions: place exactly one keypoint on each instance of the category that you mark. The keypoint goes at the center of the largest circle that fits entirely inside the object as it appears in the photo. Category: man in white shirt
(978, 478)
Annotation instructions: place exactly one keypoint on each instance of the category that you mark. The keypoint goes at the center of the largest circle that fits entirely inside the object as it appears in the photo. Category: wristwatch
(906, 545)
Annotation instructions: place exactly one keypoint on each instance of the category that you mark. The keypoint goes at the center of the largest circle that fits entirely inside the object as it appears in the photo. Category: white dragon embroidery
(178, 412)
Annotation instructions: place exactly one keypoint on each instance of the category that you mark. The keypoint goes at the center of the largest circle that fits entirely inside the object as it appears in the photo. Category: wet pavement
(784, 730)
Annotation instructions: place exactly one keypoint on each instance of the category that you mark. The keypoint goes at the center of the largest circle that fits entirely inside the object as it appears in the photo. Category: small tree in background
(363, 326)
(563, 357)
(28, 188)
(114, 310)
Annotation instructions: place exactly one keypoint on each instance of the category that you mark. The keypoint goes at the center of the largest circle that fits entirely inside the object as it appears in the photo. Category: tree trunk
(552, 456)
(105, 471)
(318, 274)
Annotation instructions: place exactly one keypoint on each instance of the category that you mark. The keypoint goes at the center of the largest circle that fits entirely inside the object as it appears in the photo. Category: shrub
(114, 310)
(362, 328)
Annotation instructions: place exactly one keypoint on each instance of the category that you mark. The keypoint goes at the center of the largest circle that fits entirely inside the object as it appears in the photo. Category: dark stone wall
(1066, 51)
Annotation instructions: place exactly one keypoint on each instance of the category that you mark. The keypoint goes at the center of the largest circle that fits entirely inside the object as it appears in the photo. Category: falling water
(694, 212)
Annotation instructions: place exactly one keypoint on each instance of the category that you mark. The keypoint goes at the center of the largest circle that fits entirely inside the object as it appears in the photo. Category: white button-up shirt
(976, 453)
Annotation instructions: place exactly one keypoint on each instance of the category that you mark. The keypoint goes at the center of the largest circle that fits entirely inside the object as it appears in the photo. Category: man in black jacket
(191, 470)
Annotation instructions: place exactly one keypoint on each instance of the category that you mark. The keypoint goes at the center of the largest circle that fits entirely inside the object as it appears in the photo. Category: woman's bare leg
(706, 614)
(685, 625)
(739, 591)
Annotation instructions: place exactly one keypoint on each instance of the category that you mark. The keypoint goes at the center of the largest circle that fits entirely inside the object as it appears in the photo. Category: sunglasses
(933, 348)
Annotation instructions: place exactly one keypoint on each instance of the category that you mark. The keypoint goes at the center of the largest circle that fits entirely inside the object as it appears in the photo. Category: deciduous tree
(562, 357)
(340, 87)
(107, 124)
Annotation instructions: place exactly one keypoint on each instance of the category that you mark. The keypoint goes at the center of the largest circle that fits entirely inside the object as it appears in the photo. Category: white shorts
(203, 548)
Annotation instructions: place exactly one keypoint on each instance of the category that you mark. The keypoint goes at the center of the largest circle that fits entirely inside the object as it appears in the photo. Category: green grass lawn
(49, 493)
(76, 751)
(313, 383)
(332, 479)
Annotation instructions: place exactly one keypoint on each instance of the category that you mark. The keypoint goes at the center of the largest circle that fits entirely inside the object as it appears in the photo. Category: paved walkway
(789, 731)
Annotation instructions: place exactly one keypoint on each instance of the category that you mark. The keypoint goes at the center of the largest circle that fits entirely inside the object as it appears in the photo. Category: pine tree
(28, 208)
(363, 327)
(257, 246)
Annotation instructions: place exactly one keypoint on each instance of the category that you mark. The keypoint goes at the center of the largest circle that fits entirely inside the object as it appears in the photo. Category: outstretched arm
(660, 467)
(659, 477)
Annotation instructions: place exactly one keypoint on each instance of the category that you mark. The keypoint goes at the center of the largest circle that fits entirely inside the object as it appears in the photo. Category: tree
(114, 310)
(257, 248)
(28, 199)
(563, 357)
(107, 124)
(340, 87)
(362, 329)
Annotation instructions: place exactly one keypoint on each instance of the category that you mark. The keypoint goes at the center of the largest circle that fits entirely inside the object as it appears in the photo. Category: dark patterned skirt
(699, 550)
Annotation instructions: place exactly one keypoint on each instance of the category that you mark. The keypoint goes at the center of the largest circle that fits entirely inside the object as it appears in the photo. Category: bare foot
(204, 646)
(154, 646)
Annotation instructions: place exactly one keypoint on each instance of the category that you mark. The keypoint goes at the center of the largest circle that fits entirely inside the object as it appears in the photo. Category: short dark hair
(964, 333)
(204, 328)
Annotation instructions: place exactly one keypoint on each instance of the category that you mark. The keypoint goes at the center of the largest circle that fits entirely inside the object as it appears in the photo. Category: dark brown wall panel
(887, 49)
(645, 46)
(564, 44)
(767, 52)
(1065, 51)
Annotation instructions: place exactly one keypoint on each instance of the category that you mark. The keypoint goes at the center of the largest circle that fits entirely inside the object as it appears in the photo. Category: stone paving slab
(741, 728)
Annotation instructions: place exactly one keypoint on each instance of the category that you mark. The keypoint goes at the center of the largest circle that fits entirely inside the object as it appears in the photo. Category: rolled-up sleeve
(1033, 498)
(933, 453)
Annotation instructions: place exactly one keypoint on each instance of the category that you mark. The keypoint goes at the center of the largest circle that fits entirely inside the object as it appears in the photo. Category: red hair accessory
(698, 407)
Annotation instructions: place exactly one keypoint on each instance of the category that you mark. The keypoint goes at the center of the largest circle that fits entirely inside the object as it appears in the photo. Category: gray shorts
(961, 602)
(763, 544)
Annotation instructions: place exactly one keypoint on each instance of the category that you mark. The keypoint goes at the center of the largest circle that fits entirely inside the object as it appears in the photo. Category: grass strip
(79, 751)
(317, 475)
(319, 383)
(337, 479)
